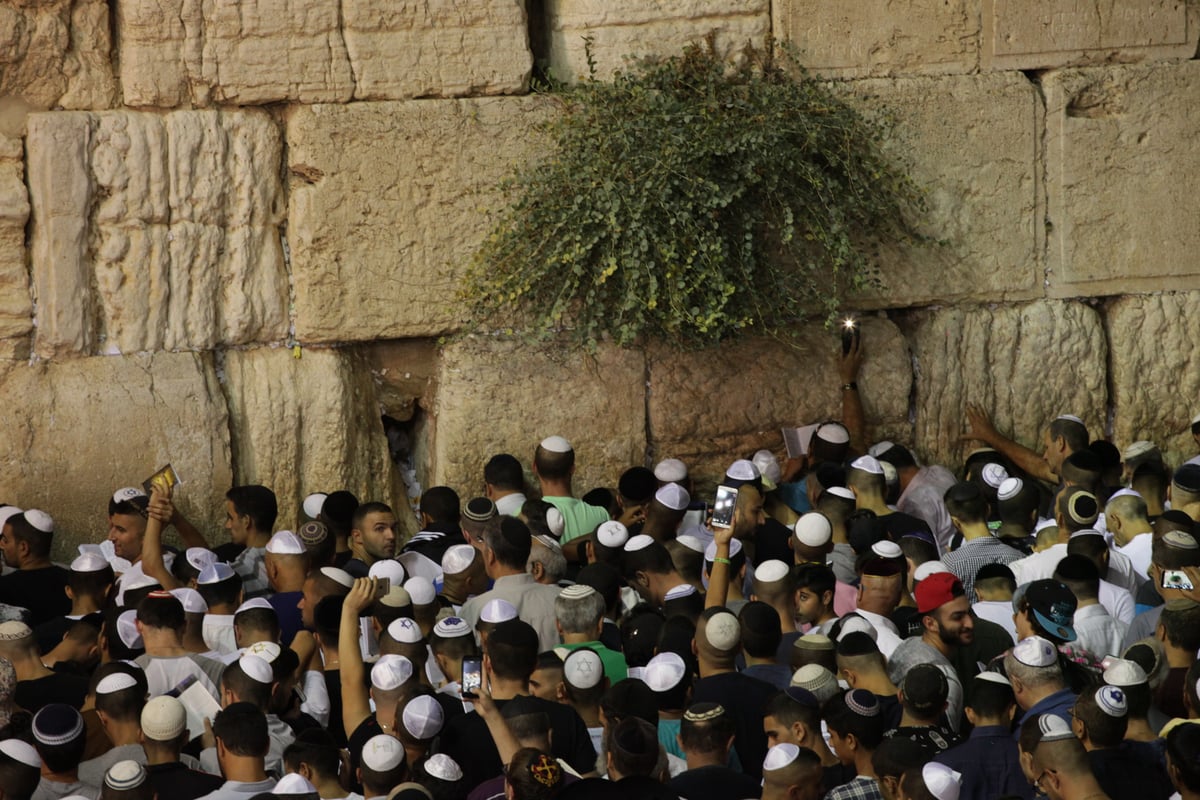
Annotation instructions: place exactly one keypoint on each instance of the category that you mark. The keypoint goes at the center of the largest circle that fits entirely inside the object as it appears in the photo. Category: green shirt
(615, 668)
(579, 517)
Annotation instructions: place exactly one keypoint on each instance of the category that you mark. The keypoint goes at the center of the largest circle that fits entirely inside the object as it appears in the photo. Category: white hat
(1034, 651)
(116, 682)
(583, 669)
(577, 591)
(1085, 532)
(941, 781)
(163, 718)
(664, 672)
(40, 520)
(1111, 700)
(389, 568)
(256, 668)
(879, 448)
(497, 610)
(841, 491)
(1010, 488)
(710, 551)
(886, 548)
(127, 630)
(780, 756)
(818, 680)
(923, 571)
(743, 470)
(391, 672)
(693, 543)
(833, 433)
(994, 475)
(285, 543)
(1124, 493)
(457, 558)
(405, 630)
(671, 470)
(191, 600)
(813, 529)
(890, 475)
(451, 628)
(313, 504)
(1069, 418)
(338, 576)
(421, 590)
(545, 541)
(383, 753)
(137, 580)
(215, 573)
(123, 775)
(199, 557)
(852, 623)
(1124, 673)
(639, 542)
(1054, 728)
(994, 677)
(555, 521)
(13, 630)
(612, 534)
(1136, 449)
(7, 513)
(868, 464)
(89, 562)
(443, 767)
(423, 717)
(21, 751)
(768, 466)
(673, 496)
(294, 783)
(253, 603)
(679, 592)
(771, 570)
(1042, 524)
(723, 631)
(556, 444)
(267, 651)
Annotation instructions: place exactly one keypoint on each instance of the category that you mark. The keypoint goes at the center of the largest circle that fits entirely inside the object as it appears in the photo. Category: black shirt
(934, 739)
(333, 683)
(746, 698)
(773, 540)
(435, 540)
(177, 782)
(1132, 769)
(61, 687)
(42, 591)
(715, 783)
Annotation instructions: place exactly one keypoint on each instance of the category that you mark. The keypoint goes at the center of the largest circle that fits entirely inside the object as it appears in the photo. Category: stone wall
(230, 237)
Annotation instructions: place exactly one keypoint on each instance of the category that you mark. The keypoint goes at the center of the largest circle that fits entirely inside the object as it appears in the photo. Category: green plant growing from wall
(691, 200)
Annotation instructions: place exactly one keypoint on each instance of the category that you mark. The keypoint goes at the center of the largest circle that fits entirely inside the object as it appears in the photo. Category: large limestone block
(1155, 370)
(57, 53)
(1123, 158)
(712, 406)
(880, 37)
(1028, 34)
(308, 424)
(494, 397)
(1024, 364)
(179, 52)
(387, 205)
(971, 142)
(16, 309)
(156, 231)
(77, 430)
(405, 372)
(623, 29)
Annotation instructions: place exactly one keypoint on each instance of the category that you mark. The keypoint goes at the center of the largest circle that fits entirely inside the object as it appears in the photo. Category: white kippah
(127, 494)
(639, 542)
(886, 548)
(1124, 673)
(137, 580)
(993, 677)
(40, 520)
(1069, 418)
(163, 718)
(285, 543)
(497, 610)
(294, 783)
(923, 571)
(556, 444)
(555, 521)
(879, 448)
(338, 576)
(267, 651)
(313, 504)
(743, 470)
(1034, 651)
(125, 775)
(710, 551)
(199, 557)
(577, 591)
(691, 542)
(547, 542)
(780, 756)
(89, 562)
(771, 570)
(391, 672)
(14, 630)
(421, 590)
(723, 631)
(612, 534)
(444, 768)
(8, 512)
(127, 630)
(994, 475)
(423, 717)
(889, 472)
(21, 751)
(404, 629)
(673, 496)
(813, 529)
(833, 433)
(856, 624)
(1125, 493)
(253, 603)
(941, 781)
(664, 672)
(1010, 488)
(215, 573)
(256, 668)
(767, 465)
(451, 628)
(583, 669)
(679, 592)
(383, 753)
(670, 470)
(1085, 532)
(457, 558)
(116, 682)
(391, 569)
(1111, 700)
(842, 492)
(1137, 449)
(1054, 728)
(867, 464)
(192, 602)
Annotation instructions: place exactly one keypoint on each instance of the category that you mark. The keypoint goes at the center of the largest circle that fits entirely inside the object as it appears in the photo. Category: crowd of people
(846, 625)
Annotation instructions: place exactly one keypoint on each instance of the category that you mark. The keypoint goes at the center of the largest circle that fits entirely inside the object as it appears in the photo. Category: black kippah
(638, 484)
(516, 533)
(856, 643)
(1187, 478)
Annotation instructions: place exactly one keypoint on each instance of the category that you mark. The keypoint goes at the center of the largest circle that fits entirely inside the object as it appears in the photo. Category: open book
(798, 439)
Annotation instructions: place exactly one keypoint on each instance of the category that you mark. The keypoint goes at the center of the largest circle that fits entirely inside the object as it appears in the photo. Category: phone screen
(723, 507)
(472, 676)
(1176, 579)
(849, 335)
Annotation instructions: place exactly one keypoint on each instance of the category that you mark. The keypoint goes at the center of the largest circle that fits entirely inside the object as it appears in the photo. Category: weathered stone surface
(497, 397)
(57, 53)
(971, 141)
(1123, 158)
(78, 430)
(181, 52)
(1023, 364)
(1027, 34)
(387, 206)
(878, 37)
(710, 407)
(405, 372)
(308, 424)
(16, 310)
(1155, 370)
(156, 231)
(624, 29)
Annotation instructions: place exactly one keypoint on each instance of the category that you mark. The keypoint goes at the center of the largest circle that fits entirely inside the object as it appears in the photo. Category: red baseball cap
(937, 590)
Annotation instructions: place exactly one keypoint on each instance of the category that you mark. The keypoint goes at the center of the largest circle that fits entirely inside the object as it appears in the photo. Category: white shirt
(887, 638)
(510, 505)
(1117, 602)
(218, 634)
(999, 612)
(1138, 553)
(1038, 566)
(1097, 632)
(238, 790)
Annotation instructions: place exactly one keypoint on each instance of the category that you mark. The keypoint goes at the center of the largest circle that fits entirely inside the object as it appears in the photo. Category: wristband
(725, 561)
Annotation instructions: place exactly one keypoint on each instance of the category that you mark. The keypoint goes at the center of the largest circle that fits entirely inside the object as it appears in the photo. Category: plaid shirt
(970, 556)
(861, 788)
(252, 566)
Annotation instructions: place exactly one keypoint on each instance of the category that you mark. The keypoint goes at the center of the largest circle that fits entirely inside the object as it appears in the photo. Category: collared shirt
(510, 505)
(923, 498)
(252, 566)
(913, 651)
(239, 790)
(1097, 632)
(1039, 565)
(988, 761)
(861, 788)
(534, 603)
(1059, 704)
(975, 553)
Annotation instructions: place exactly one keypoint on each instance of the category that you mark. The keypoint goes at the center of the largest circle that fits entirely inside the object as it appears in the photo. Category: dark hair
(327, 618)
(1182, 627)
(512, 648)
(1079, 574)
(654, 558)
(633, 746)
(990, 699)
(67, 755)
(912, 783)
(457, 647)
(1083, 467)
(640, 629)
(629, 699)
(896, 755)
(256, 502)
(117, 650)
(1018, 509)
(248, 690)
(224, 592)
(534, 774)
(761, 634)
(162, 612)
(834, 506)
(966, 502)
(94, 584)
(442, 504)
(525, 719)
(242, 728)
(918, 550)
(604, 579)
(262, 620)
(863, 529)
(510, 540)
(1137, 699)
(553, 466)
(898, 456)
(1183, 751)
(315, 747)
(710, 735)
(124, 705)
(604, 498)
(23, 531)
(363, 510)
(19, 780)
(1074, 433)
(1102, 729)
(840, 719)
(789, 711)
(817, 578)
(504, 472)
(338, 512)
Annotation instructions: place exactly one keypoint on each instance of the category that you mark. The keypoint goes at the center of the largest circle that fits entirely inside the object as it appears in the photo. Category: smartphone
(472, 676)
(723, 507)
(383, 586)
(850, 334)
(1176, 579)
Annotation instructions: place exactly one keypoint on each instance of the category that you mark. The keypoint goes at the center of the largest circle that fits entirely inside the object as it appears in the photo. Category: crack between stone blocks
(650, 449)
(1041, 167)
